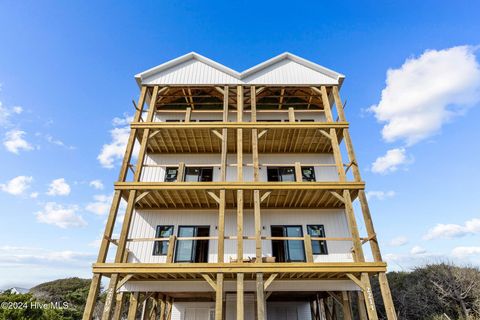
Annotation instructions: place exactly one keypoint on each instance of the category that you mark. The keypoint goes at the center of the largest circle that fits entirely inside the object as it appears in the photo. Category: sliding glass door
(288, 250)
(192, 250)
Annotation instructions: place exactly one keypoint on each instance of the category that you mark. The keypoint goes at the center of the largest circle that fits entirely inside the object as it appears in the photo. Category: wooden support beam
(346, 304)
(362, 310)
(308, 248)
(369, 301)
(269, 281)
(132, 307)
(240, 101)
(123, 281)
(335, 297)
(357, 281)
(336, 195)
(214, 196)
(221, 228)
(141, 196)
(110, 298)
(219, 135)
(92, 296)
(118, 306)
(298, 172)
(240, 298)
(260, 297)
(265, 196)
(325, 133)
(219, 298)
(181, 171)
(188, 114)
(262, 133)
(291, 114)
(171, 248)
(210, 281)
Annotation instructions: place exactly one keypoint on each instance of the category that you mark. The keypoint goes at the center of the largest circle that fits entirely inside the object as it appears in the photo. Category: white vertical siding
(288, 310)
(155, 173)
(144, 225)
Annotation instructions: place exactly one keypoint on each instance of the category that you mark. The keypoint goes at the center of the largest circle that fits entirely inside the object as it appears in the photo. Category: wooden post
(219, 298)
(132, 308)
(122, 241)
(384, 287)
(162, 309)
(240, 100)
(171, 248)
(181, 171)
(168, 308)
(298, 172)
(357, 245)
(362, 311)
(256, 193)
(291, 115)
(347, 312)
(308, 248)
(221, 228)
(240, 305)
(188, 114)
(107, 235)
(118, 306)
(260, 297)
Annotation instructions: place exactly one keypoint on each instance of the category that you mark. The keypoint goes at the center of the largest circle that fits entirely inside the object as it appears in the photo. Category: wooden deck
(204, 137)
(182, 195)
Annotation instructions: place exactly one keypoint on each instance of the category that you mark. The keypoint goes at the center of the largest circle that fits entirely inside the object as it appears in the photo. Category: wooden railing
(307, 242)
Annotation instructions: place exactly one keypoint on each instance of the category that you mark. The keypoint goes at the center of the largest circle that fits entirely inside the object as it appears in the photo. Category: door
(288, 250)
(192, 250)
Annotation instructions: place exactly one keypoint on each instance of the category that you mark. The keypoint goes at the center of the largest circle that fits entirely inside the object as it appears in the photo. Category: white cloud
(464, 252)
(100, 205)
(391, 161)
(115, 150)
(17, 185)
(416, 250)
(453, 230)
(57, 142)
(126, 120)
(6, 113)
(398, 241)
(426, 92)
(16, 255)
(14, 141)
(34, 195)
(60, 216)
(59, 187)
(380, 195)
(97, 184)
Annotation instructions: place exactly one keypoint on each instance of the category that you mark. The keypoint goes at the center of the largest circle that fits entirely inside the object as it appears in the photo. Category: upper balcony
(288, 119)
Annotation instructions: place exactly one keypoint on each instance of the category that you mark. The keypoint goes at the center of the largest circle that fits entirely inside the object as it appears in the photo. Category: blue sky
(66, 71)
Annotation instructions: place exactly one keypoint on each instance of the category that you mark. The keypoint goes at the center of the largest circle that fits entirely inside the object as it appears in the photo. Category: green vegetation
(434, 292)
(62, 299)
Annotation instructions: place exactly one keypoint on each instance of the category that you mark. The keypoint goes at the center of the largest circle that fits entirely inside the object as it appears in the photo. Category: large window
(317, 231)
(160, 248)
(281, 173)
(171, 174)
(198, 174)
(192, 250)
(288, 250)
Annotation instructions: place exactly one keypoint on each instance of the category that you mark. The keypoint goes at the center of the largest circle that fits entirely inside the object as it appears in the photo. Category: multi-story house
(239, 199)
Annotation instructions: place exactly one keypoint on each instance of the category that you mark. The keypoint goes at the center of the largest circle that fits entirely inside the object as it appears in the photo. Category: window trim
(278, 173)
(319, 241)
(198, 176)
(157, 243)
(176, 175)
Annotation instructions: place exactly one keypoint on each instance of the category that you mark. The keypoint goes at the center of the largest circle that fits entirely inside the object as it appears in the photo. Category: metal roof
(195, 69)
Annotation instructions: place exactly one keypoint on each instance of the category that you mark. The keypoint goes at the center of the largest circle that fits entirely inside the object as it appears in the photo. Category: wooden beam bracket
(265, 196)
(210, 281)
(141, 196)
(325, 133)
(269, 281)
(357, 281)
(218, 134)
(214, 196)
(262, 133)
(336, 195)
(123, 281)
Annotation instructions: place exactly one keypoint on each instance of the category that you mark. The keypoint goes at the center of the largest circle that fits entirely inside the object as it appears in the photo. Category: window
(198, 174)
(318, 246)
(192, 250)
(174, 120)
(287, 250)
(160, 248)
(308, 174)
(281, 174)
(171, 174)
